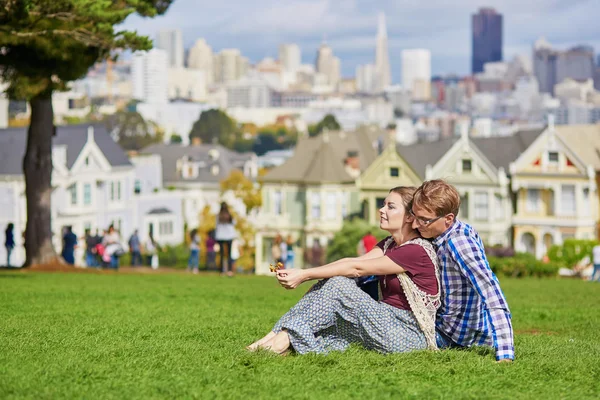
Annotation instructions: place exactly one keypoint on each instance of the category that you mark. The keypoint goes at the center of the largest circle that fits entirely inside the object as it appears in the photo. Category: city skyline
(350, 28)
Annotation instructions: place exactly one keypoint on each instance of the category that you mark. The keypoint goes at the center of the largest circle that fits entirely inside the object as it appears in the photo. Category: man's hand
(291, 278)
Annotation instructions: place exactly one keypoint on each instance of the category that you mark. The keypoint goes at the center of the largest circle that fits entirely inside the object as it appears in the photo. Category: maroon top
(417, 264)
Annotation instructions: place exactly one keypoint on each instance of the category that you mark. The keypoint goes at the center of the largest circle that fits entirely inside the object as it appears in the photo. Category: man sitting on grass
(474, 311)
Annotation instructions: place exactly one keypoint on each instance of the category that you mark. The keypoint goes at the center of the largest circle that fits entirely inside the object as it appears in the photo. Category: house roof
(500, 151)
(13, 143)
(503, 150)
(321, 159)
(419, 155)
(208, 155)
(583, 140)
(159, 211)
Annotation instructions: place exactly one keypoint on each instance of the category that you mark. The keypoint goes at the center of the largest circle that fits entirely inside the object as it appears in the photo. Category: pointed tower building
(382, 57)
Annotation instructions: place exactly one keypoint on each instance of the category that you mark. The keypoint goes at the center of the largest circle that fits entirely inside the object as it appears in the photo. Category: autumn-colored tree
(44, 45)
(208, 222)
(243, 188)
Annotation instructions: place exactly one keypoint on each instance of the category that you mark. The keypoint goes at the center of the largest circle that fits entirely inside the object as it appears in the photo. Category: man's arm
(470, 257)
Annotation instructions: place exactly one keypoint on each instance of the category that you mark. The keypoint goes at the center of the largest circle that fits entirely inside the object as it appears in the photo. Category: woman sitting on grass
(335, 312)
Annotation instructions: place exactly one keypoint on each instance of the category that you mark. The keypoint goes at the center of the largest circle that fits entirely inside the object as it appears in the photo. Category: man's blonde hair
(438, 197)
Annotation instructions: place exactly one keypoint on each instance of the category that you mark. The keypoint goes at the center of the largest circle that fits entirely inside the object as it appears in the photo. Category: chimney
(196, 141)
(551, 122)
(90, 134)
(352, 161)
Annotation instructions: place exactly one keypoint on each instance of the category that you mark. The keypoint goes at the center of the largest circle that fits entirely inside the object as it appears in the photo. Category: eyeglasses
(422, 221)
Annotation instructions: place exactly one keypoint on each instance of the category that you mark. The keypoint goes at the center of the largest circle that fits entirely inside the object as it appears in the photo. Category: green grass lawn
(183, 336)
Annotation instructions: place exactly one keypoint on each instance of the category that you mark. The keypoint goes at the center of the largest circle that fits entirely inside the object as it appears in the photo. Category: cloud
(350, 27)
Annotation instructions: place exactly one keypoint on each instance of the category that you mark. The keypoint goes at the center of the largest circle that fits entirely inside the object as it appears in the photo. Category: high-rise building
(544, 65)
(290, 57)
(171, 41)
(576, 63)
(149, 74)
(382, 57)
(201, 58)
(229, 66)
(366, 78)
(486, 28)
(552, 67)
(328, 65)
(416, 73)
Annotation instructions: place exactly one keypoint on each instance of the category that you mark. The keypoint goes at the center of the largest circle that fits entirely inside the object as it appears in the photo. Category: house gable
(465, 164)
(549, 154)
(387, 171)
(91, 159)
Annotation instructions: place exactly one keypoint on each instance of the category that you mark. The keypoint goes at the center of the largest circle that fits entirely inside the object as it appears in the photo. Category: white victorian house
(94, 186)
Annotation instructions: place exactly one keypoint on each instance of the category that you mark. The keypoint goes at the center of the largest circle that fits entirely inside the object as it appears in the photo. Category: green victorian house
(329, 178)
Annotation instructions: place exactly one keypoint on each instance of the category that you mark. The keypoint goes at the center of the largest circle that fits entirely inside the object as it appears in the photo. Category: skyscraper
(290, 57)
(149, 74)
(171, 41)
(201, 58)
(382, 59)
(487, 38)
(229, 66)
(328, 65)
(416, 73)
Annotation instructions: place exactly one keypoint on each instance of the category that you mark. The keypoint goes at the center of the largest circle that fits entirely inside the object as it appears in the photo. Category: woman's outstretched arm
(349, 267)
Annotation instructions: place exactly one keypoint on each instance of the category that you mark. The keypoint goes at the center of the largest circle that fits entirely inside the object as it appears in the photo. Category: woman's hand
(291, 278)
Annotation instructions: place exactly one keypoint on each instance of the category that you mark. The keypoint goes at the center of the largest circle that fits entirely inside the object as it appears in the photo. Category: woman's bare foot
(260, 342)
(279, 344)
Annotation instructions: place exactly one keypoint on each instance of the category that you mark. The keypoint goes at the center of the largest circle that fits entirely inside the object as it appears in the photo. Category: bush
(523, 265)
(345, 241)
(572, 251)
(174, 256)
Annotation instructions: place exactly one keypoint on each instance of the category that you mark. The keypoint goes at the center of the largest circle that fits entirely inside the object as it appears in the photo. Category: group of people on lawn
(436, 289)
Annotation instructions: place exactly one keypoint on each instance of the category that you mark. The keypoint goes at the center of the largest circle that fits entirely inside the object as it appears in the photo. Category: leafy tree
(266, 141)
(215, 126)
(175, 139)
(44, 45)
(132, 131)
(243, 188)
(328, 122)
(345, 241)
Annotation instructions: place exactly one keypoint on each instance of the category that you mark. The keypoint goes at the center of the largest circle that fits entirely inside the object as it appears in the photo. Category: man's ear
(449, 219)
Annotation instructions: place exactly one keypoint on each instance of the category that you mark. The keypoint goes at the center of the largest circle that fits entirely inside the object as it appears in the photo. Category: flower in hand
(276, 268)
(290, 278)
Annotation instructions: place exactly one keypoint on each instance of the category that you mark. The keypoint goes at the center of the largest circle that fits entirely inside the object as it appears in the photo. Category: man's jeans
(136, 258)
(90, 260)
(194, 259)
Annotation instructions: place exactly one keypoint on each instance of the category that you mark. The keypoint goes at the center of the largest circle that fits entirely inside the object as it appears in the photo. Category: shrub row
(523, 265)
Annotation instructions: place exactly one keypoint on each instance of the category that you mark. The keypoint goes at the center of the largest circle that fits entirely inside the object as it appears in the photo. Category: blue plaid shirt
(473, 311)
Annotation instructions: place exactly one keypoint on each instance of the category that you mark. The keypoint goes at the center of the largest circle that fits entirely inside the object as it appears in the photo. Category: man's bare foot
(260, 342)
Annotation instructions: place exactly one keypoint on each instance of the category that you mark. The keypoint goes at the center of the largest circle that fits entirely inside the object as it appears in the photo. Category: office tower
(229, 66)
(416, 73)
(149, 74)
(576, 63)
(201, 58)
(290, 57)
(366, 78)
(171, 41)
(382, 58)
(328, 65)
(486, 28)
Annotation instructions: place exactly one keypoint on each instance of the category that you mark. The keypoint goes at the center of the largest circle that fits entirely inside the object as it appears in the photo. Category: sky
(350, 26)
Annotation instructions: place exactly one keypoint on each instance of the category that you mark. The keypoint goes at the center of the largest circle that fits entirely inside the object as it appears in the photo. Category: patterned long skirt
(335, 312)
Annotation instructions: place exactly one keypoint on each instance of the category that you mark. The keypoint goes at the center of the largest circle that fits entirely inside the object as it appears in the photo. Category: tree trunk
(37, 166)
